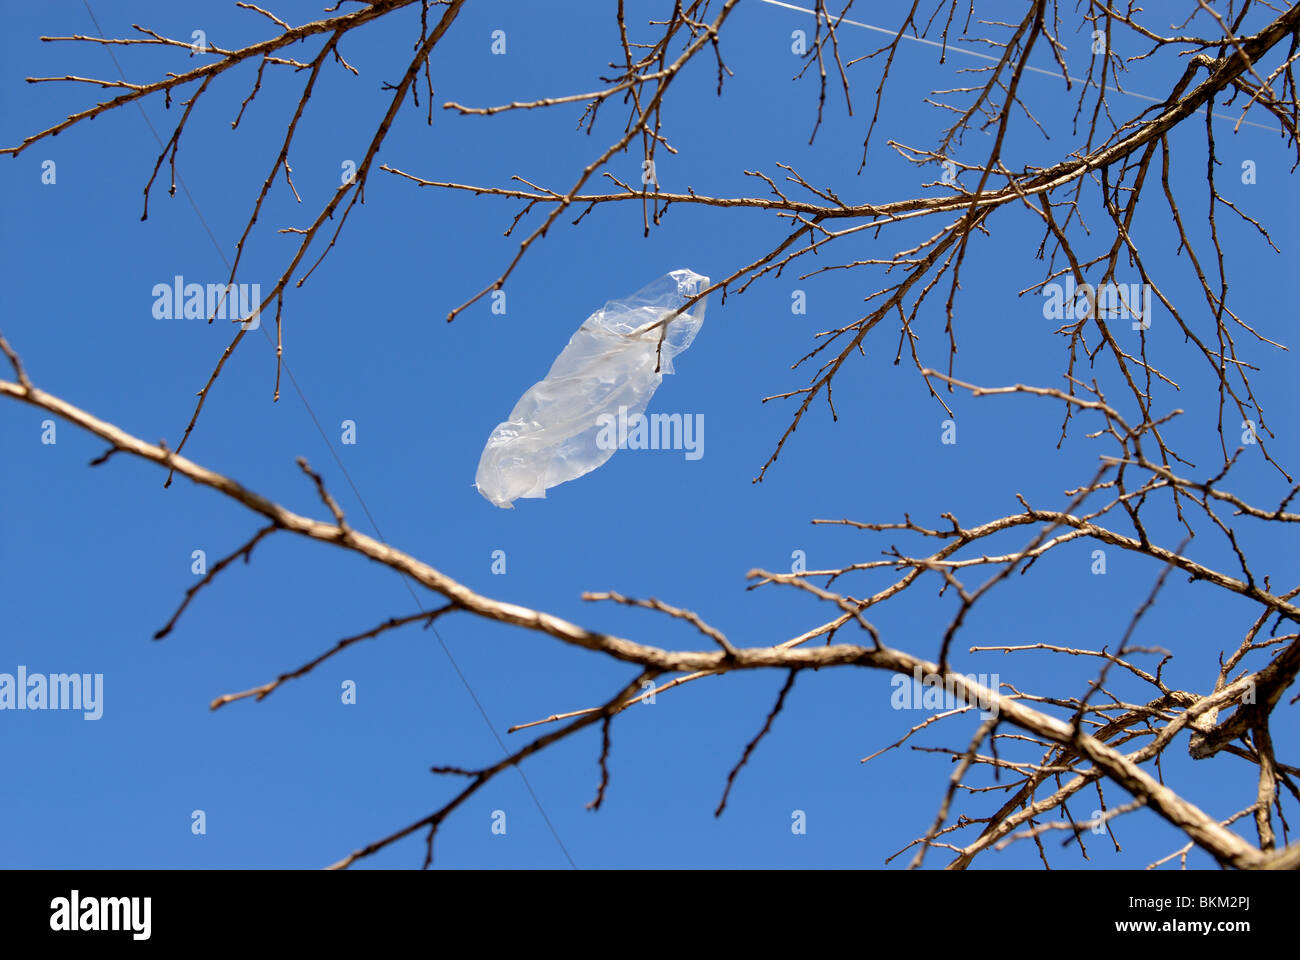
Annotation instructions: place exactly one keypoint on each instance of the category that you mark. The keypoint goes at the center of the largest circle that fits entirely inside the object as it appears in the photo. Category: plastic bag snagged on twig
(616, 359)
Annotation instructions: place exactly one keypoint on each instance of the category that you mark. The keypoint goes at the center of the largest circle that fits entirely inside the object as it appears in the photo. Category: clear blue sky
(93, 561)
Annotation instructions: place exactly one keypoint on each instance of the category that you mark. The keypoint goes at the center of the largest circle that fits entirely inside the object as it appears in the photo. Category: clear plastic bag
(552, 435)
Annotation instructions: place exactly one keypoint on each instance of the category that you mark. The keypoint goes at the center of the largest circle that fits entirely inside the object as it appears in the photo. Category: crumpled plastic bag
(551, 435)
